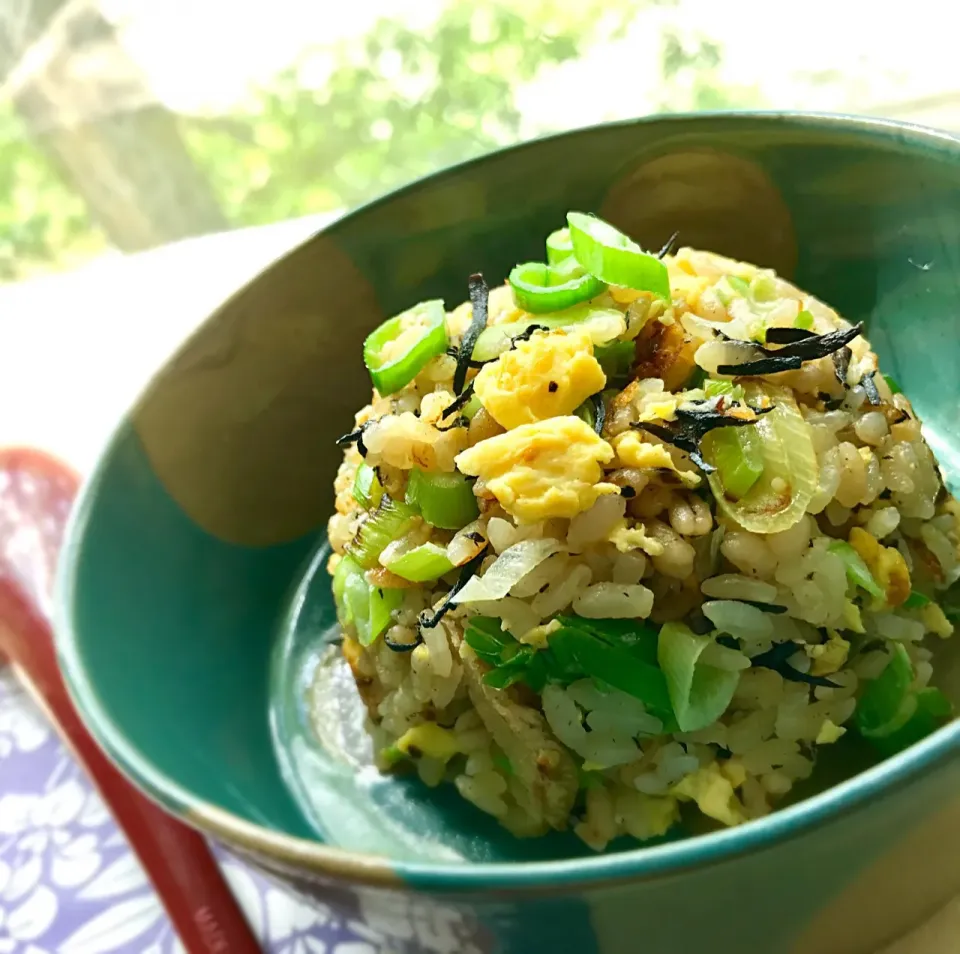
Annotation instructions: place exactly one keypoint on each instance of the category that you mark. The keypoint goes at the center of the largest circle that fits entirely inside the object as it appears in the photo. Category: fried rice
(702, 540)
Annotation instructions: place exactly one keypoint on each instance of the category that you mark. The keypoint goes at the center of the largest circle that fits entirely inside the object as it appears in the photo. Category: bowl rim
(311, 857)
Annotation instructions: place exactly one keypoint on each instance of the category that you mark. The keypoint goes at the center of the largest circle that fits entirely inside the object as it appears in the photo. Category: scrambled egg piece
(713, 794)
(733, 771)
(537, 471)
(538, 637)
(828, 657)
(652, 409)
(626, 538)
(633, 451)
(936, 621)
(657, 816)
(829, 732)
(546, 376)
(885, 563)
(851, 617)
(431, 740)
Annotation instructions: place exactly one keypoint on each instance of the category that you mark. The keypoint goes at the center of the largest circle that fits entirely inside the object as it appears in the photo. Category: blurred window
(127, 124)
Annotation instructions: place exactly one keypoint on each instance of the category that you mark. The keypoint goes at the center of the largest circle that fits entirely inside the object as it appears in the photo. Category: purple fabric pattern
(69, 883)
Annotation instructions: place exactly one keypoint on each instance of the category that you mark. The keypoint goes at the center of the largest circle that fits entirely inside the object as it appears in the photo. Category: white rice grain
(614, 601)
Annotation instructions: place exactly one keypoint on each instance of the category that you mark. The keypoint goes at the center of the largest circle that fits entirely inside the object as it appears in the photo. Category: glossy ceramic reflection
(213, 493)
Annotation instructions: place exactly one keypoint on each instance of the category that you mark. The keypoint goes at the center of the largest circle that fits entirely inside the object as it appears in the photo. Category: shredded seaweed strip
(461, 401)
(469, 570)
(456, 422)
(761, 366)
(677, 439)
(455, 353)
(817, 346)
(599, 411)
(355, 437)
(841, 364)
(526, 335)
(783, 336)
(791, 356)
(693, 425)
(773, 608)
(870, 388)
(668, 245)
(479, 298)
(402, 647)
(776, 659)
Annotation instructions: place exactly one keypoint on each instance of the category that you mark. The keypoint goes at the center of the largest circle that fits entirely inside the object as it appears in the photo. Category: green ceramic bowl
(194, 530)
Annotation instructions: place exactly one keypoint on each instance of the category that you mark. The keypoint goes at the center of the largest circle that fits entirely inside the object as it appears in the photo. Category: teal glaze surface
(207, 636)
(191, 537)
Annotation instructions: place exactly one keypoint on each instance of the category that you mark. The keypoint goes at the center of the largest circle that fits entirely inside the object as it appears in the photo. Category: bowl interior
(192, 536)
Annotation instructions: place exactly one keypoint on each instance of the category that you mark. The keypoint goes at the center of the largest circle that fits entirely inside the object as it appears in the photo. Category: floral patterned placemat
(69, 883)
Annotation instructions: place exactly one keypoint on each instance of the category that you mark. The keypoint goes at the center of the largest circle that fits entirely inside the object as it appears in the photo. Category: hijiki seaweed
(599, 411)
(428, 621)
(479, 298)
(460, 402)
(841, 364)
(870, 388)
(402, 647)
(792, 355)
(776, 659)
(355, 437)
(668, 246)
(692, 425)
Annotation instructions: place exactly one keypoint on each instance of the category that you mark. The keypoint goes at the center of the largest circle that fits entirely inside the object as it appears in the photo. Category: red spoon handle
(178, 861)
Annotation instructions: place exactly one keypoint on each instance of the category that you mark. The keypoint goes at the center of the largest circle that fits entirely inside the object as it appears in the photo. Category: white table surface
(77, 348)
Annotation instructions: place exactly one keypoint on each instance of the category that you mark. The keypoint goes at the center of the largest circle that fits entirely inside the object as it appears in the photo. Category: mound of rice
(628, 538)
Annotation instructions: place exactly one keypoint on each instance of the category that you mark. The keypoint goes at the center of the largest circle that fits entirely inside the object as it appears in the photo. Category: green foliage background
(353, 121)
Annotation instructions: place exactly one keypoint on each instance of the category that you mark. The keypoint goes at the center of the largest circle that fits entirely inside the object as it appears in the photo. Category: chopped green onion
(383, 602)
(616, 359)
(857, 571)
(882, 707)
(513, 670)
(391, 756)
(471, 408)
(501, 761)
(603, 325)
(696, 379)
(586, 414)
(779, 499)
(763, 288)
(804, 320)
(397, 351)
(633, 634)
(932, 710)
(485, 637)
(700, 694)
(559, 246)
(368, 608)
(444, 500)
(617, 665)
(737, 454)
(367, 489)
(740, 285)
(346, 591)
(892, 384)
(714, 388)
(590, 779)
(540, 288)
(934, 702)
(611, 256)
(916, 600)
(421, 563)
(390, 521)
